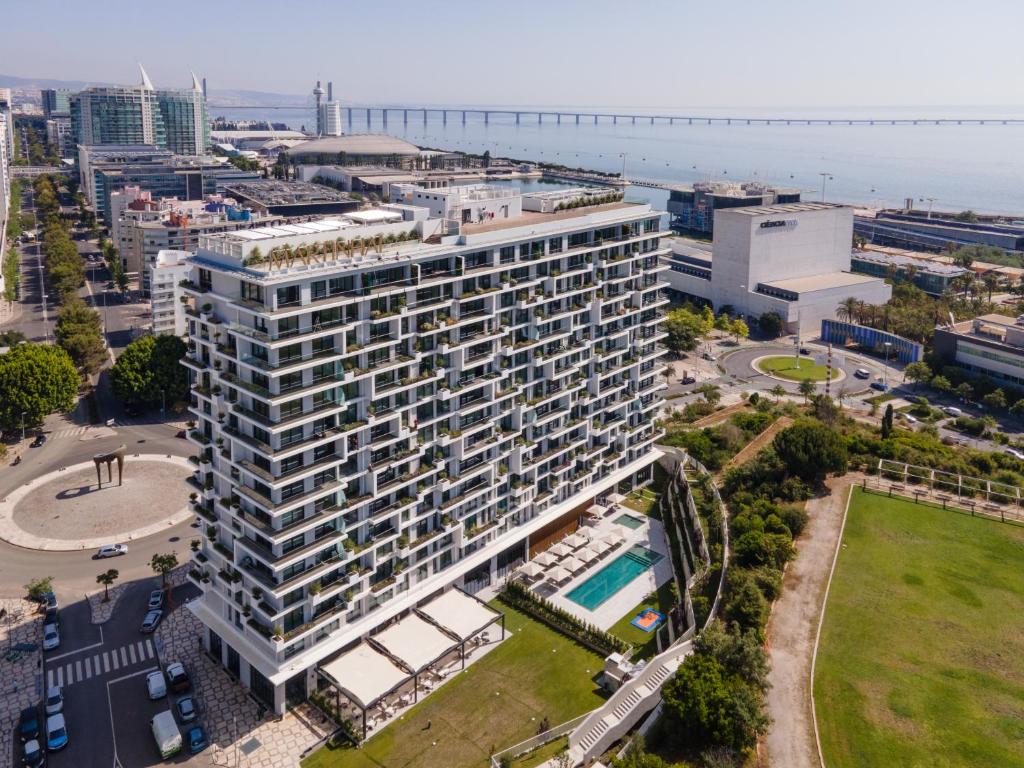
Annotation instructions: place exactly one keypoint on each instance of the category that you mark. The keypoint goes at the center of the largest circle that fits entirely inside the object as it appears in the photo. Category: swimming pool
(628, 520)
(613, 577)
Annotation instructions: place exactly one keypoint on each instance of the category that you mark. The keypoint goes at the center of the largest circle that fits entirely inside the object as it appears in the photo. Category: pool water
(613, 577)
(630, 521)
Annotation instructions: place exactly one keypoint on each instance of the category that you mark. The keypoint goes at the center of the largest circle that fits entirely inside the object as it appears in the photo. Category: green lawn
(497, 702)
(786, 367)
(921, 661)
(644, 642)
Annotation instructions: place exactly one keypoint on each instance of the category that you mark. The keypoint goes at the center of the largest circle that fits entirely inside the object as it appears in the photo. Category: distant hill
(227, 97)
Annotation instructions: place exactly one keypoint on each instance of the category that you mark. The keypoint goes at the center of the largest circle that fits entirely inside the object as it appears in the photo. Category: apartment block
(380, 414)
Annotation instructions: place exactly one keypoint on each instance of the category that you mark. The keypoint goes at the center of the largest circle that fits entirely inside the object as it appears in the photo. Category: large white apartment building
(379, 419)
(165, 273)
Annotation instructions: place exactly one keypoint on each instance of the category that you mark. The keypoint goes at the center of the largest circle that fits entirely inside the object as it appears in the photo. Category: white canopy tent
(616, 498)
(576, 540)
(558, 574)
(415, 642)
(364, 675)
(574, 564)
(589, 553)
(531, 570)
(460, 614)
(596, 510)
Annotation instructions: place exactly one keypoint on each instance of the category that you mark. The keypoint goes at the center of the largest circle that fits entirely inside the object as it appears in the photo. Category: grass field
(786, 367)
(644, 642)
(497, 702)
(921, 661)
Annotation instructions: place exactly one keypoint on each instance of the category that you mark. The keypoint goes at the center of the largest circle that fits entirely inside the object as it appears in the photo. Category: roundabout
(795, 369)
(746, 364)
(66, 510)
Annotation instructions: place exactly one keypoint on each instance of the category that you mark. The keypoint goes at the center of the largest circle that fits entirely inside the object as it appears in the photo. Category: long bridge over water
(403, 114)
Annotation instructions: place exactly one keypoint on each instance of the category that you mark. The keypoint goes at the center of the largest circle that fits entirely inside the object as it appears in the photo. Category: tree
(684, 329)
(778, 392)
(78, 332)
(638, 757)
(995, 399)
(107, 579)
(917, 372)
(485, 160)
(1017, 409)
(810, 450)
(147, 366)
(37, 380)
(965, 392)
(968, 216)
(163, 565)
(712, 394)
(941, 384)
(770, 324)
(708, 318)
(39, 587)
(739, 329)
(848, 309)
(722, 323)
(887, 422)
(807, 388)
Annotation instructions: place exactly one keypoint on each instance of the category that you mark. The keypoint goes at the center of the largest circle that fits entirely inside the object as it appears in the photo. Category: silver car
(51, 637)
(54, 700)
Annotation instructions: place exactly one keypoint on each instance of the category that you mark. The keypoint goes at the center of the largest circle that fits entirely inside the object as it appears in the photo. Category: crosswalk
(77, 431)
(87, 666)
(68, 432)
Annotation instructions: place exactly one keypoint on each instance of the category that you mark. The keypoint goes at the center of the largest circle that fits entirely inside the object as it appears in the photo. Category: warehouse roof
(356, 144)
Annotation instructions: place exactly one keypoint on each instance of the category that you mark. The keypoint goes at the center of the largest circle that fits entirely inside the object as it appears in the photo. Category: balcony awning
(415, 642)
(364, 674)
(460, 614)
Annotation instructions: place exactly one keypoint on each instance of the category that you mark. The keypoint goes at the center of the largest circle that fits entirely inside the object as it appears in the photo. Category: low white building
(469, 204)
(792, 258)
(165, 273)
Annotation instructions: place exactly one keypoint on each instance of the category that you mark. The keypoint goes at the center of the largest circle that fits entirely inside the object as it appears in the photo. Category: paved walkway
(18, 685)
(238, 737)
(62, 510)
(792, 631)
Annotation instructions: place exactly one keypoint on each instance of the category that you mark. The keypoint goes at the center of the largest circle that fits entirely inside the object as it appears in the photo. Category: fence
(537, 741)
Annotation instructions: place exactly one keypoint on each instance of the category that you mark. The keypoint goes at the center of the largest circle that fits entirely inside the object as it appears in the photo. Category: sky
(629, 53)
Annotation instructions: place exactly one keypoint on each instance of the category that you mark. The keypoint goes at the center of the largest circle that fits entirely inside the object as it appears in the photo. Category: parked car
(197, 740)
(28, 724)
(909, 418)
(51, 637)
(708, 356)
(804, 351)
(111, 550)
(166, 734)
(56, 733)
(1014, 452)
(186, 709)
(951, 410)
(52, 616)
(54, 700)
(177, 677)
(862, 373)
(40, 439)
(689, 380)
(33, 755)
(155, 686)
(879, 386)
(156, 599)
(152, 619)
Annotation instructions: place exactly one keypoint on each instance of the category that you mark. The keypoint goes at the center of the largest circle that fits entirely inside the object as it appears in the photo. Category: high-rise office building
(175, 120)
(378, 423)
(329, 119)
(7, 112)
(56, 103)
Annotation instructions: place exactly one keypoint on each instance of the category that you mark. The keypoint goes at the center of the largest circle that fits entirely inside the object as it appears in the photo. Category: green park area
(500, 700)
(921, 659)
(791, 368)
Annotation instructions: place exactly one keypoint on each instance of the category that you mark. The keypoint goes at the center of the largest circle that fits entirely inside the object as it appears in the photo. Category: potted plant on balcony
(315, 588)
(257, 593)
(194, 545)
(279, 633)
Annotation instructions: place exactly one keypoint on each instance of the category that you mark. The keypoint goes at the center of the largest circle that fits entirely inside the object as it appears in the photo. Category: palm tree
(806, 388)
(106, 579)
(778, 391)
(910, 272)
(991, 282)
(847, 309)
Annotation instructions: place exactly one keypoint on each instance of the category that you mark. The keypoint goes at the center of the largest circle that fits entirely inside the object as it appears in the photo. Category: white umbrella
(602, 545)
(531, 570)
(560, 550)
(615, 538)
(545, 559)
(596, 510)
(589, 553)
(573, 564)
(558, 574)
(575, 541)
(616, 498)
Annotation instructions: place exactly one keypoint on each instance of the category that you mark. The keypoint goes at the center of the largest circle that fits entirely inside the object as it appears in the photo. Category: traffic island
(67, 510)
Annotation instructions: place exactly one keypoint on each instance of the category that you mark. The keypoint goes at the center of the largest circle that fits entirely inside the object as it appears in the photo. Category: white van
(165, 731)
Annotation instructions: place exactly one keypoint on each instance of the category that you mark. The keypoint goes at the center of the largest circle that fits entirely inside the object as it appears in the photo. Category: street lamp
(824, 175)
(23, 424)
(885, 368)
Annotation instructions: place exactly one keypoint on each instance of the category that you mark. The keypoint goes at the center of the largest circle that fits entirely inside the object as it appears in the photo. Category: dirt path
(719, 416)
(752, 448)
(792, 629)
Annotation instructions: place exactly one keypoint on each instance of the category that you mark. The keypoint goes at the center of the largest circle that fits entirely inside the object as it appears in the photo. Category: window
(295, 542)
(250, 291)
(318, 289)
(508, 254)
(292, 490)
(338, 285)
(288, 296)
(290, 464)
(287, 326)
(205, 279)
(555, 245)
(259, 352)
(290, 436)
(289, 353)
(291, 381)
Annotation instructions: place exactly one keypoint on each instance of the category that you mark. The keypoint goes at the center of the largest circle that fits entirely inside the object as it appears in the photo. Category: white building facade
(165, 275)
(375, 424)
(792, 259)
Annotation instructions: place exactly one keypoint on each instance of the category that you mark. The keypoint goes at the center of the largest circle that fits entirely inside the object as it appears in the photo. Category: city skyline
(890, 60)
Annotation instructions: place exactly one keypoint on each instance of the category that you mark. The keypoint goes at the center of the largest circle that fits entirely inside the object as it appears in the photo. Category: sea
(947, 167)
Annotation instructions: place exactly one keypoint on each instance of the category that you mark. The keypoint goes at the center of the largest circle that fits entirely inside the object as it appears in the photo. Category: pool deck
(651, 535)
